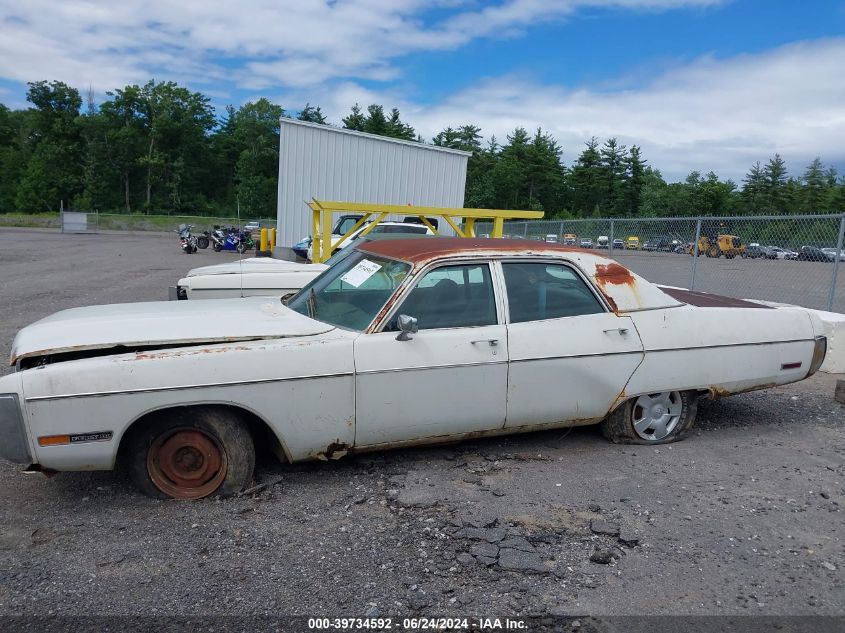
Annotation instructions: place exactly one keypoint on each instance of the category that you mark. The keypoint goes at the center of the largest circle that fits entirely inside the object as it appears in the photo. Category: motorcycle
(187, 242)
(203, 239)
(231, 239)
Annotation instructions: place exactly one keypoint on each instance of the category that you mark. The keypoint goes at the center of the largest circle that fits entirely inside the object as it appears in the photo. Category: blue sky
(699, 84)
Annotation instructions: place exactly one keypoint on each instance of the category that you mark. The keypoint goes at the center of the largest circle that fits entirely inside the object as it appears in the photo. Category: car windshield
(351, 293)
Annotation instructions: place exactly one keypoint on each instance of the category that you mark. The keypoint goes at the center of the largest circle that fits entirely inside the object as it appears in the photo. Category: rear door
(570, 358)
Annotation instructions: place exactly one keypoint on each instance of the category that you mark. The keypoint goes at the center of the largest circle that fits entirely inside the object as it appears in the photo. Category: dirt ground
(743, 518)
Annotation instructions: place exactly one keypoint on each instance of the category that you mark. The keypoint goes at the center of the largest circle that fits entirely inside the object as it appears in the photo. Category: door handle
(491, 341)
(621, 330)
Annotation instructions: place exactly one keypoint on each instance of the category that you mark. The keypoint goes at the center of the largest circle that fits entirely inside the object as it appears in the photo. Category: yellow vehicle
(570, 239)
(728, 245)
(632, 243)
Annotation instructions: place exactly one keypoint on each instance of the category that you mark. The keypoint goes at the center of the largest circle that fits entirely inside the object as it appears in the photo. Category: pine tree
(775, 178)
(585, 180)
(355, 120)
(754, 189)
(312, 114)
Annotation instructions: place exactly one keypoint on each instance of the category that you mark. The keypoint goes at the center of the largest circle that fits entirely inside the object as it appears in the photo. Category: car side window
(451, 296)
(538, 291)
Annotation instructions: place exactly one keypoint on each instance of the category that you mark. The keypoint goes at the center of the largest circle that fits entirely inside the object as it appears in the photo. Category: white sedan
(387, 227)
(263, 276)
(501, 336)
(255, 276)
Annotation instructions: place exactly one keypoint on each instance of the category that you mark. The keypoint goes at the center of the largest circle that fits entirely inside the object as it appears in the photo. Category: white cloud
(713, 113)
(720, 114)
(254, 43)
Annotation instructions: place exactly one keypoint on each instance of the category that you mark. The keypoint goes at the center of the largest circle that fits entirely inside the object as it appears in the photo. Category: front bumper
(14, 445)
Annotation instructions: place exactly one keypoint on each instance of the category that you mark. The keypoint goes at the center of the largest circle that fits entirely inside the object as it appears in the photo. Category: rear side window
(538, 291)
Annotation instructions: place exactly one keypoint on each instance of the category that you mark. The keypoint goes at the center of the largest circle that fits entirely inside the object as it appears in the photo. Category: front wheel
(191, 454)
(241, 247)
(655, 418)
(216, 247)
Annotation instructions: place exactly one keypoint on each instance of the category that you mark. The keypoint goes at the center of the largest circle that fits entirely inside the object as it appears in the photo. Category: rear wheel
(655, 418)
(216, 247)
(191, 454)
(202, 242)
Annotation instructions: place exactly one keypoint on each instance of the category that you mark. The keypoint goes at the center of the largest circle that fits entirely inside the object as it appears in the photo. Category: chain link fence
(126, 222)
(794, 259)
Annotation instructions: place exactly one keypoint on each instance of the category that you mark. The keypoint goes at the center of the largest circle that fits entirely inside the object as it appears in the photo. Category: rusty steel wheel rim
(187, 463)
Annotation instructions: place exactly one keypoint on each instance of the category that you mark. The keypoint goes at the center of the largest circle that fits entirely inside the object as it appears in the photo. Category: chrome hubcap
(656, 415)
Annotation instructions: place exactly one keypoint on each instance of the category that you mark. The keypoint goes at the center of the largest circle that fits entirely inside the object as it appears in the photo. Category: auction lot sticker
(362, 271)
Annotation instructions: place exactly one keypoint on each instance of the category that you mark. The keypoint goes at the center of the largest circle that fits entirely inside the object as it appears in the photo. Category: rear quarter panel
(723, 350)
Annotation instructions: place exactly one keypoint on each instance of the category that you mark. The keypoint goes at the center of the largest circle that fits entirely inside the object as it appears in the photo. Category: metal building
(329, 163)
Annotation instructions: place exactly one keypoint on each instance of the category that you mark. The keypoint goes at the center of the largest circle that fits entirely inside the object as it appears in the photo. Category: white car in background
(263, 276)
(832, 253)
(542, 337)
(382, 227)
(255, 276)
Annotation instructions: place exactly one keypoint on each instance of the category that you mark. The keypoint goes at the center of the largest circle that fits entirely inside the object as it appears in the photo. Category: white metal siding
(327, 163)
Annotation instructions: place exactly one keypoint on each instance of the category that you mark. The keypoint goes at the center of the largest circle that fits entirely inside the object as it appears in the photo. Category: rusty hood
(162, 323)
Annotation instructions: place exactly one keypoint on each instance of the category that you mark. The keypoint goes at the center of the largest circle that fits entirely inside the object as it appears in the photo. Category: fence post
(836, 264)
(610, 243)
(695, 253)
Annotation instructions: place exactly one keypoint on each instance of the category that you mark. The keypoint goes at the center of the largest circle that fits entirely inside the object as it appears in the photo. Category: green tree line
(162, 148)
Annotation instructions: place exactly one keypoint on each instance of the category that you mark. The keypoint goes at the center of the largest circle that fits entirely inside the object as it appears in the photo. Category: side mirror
(407, 326)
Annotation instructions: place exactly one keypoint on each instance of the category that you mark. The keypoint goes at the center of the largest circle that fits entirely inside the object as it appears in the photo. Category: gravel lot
(743, 518)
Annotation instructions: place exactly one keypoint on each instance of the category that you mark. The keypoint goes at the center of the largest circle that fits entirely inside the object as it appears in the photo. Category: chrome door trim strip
(681, 349)
(504, 361)
(653, 351)
(538, 358)
(259, 381)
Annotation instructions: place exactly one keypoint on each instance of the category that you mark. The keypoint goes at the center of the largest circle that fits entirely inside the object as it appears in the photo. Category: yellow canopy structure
(322, 210)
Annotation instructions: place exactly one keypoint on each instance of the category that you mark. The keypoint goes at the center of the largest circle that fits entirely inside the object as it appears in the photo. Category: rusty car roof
(624, 290)
(419, 251)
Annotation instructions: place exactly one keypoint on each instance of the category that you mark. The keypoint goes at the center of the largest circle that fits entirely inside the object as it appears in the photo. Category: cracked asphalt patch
(743, 518)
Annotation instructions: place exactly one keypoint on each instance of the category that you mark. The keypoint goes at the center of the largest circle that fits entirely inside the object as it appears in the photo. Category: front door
(450, 378)
(569, 357)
